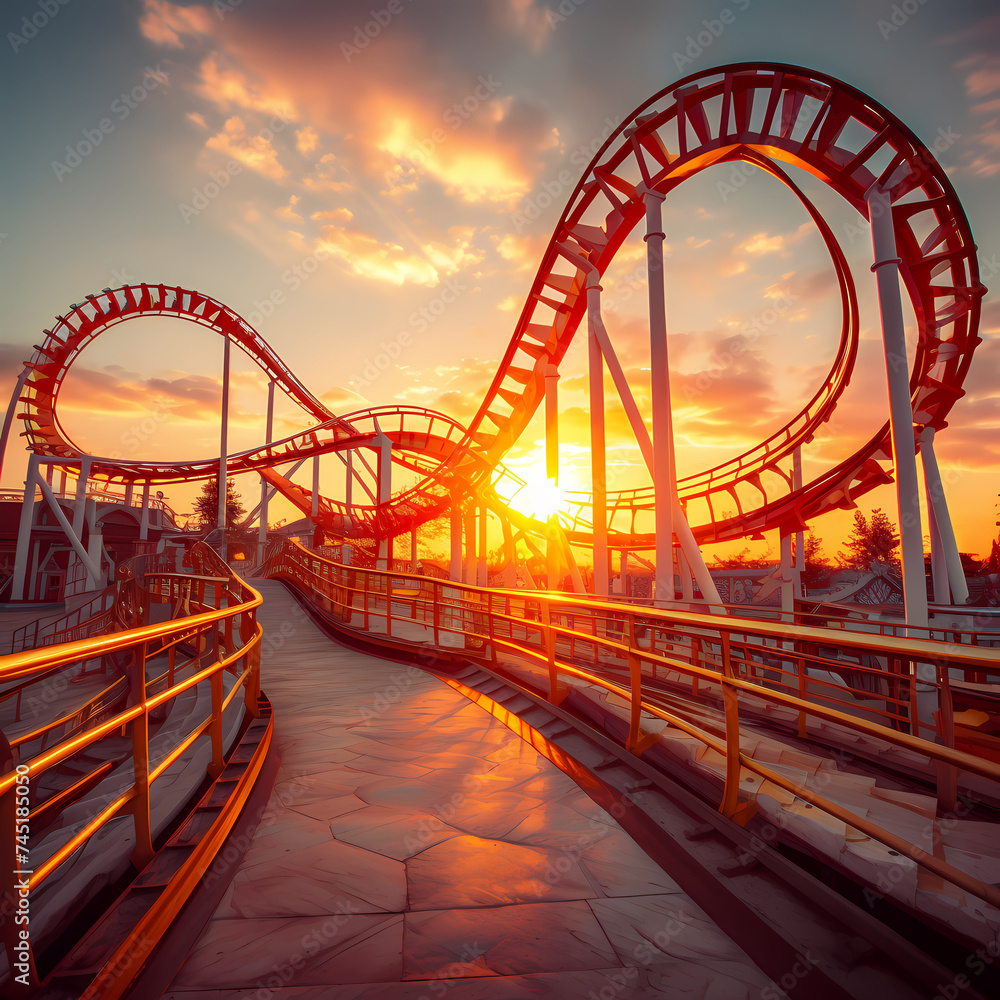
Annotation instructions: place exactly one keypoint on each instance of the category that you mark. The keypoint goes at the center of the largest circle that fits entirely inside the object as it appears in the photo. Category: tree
(207, 505)
(871, 542)
(743, 560)
(817, 572)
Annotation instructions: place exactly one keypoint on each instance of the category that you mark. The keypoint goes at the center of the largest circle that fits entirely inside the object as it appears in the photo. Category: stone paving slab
(416, 847)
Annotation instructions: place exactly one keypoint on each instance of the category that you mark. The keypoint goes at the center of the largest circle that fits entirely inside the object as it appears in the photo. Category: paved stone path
(414, 847)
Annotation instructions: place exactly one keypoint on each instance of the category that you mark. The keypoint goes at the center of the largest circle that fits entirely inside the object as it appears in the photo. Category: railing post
(635, 707)
(215, 729)
(731, 791)
(802, 694)
(550, 653)
(947, 774)
(142, 853)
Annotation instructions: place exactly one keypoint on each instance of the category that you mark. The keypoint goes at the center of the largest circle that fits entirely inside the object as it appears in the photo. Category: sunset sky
(341, 173)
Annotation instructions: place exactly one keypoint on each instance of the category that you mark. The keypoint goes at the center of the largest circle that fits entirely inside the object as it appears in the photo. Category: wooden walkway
(414, 847)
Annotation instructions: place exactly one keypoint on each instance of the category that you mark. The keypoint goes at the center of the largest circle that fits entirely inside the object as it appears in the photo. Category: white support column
(144, 517)
(886, 268)
(623, 571)
(315, 487)
(455, 564)
(551, 466)
(469, 565)
(224, 449)
(413, 549)
(384, 447)
(800, 536)
(937, 506)
(349, 504)
(482, 570)
(598, 458)
(80, 504)
(72, 536)
(663, 479)
(939, 567)
(268, 429)
(687, 580)
(24, 531)
(551, 373)
(129, 490)
(95, 548)
(787, 577)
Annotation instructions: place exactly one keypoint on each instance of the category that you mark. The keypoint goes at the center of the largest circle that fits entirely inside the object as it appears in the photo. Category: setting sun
(539, 496)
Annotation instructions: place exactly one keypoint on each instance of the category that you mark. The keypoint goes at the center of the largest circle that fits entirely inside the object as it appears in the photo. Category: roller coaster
(669, 662)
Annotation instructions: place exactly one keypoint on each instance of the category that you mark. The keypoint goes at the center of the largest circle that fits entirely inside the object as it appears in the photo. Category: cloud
(982, 79)
(254, 152)
(288, 213)
(456, 389)
(983, 76)
(163, 23)
(307, 139)
(400, 111)
(229, 88)
(764, 243)
(803, 286)
(368, 257)
(328, 175)
(524, 252)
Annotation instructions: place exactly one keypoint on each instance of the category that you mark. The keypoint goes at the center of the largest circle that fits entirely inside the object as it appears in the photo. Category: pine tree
(817, 571)
(206, 507)
(871, 542)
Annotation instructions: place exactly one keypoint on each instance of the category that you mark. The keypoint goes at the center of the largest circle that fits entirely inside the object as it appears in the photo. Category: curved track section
(763, 114)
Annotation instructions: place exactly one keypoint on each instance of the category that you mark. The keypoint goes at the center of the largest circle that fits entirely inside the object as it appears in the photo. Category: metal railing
(630, 651)
(216, 635)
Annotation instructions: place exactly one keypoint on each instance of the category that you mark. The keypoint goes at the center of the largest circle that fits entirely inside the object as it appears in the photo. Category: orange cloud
(254, 152)
(164, 23)
(307, 139)
(367, 257)
(327, 176)
(228, 88)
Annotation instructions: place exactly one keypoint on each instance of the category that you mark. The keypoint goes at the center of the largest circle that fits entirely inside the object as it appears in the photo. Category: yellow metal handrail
(226, 639)
(704, 648)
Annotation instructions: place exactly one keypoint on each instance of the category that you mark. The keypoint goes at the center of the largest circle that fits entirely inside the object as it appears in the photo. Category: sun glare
(539, 497)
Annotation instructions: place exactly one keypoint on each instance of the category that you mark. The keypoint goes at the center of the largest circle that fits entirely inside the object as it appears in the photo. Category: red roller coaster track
(763, 114)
